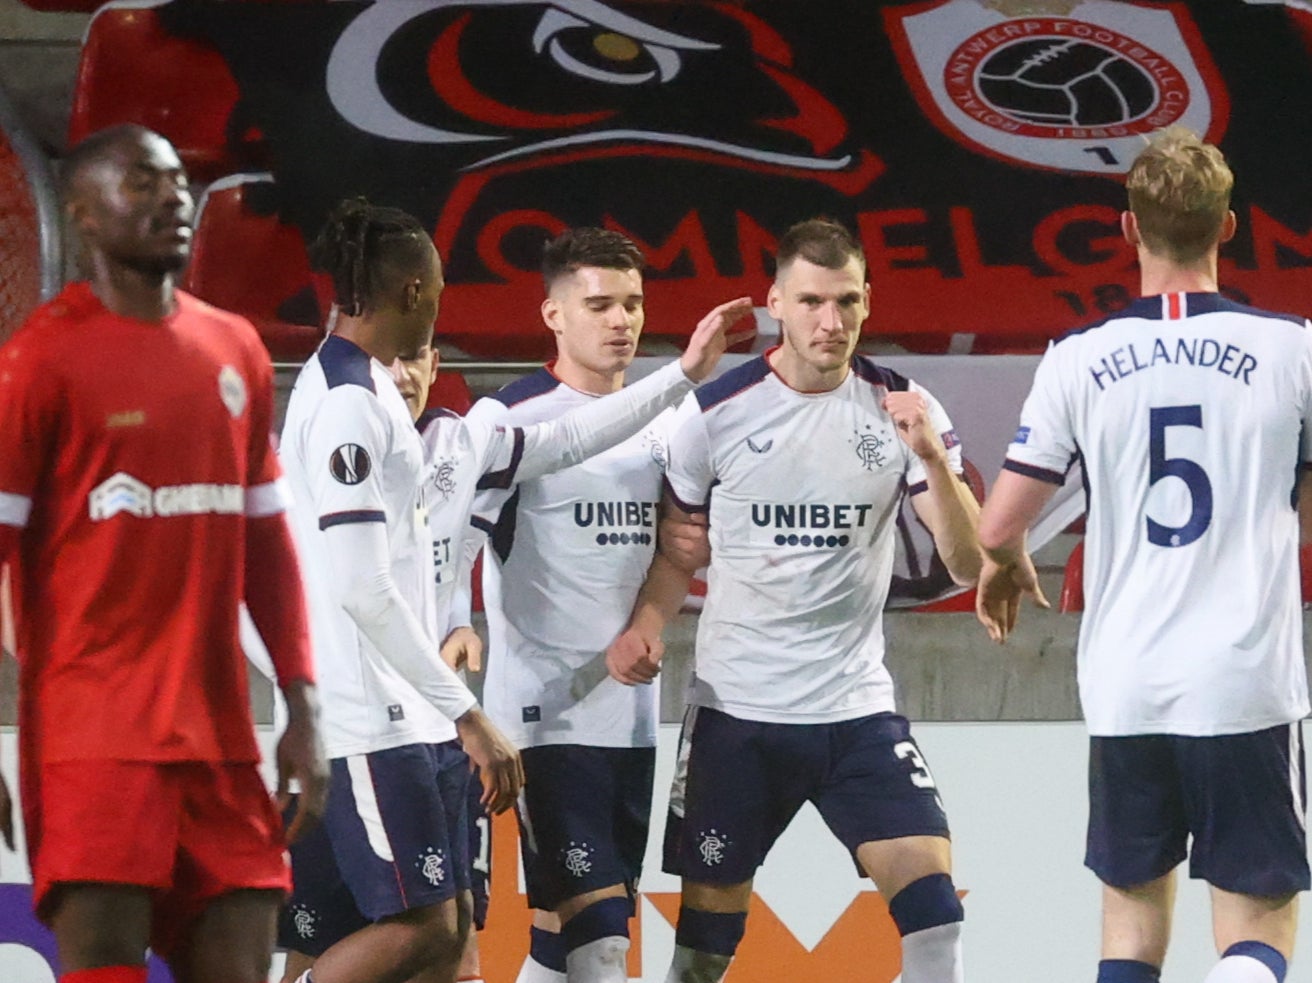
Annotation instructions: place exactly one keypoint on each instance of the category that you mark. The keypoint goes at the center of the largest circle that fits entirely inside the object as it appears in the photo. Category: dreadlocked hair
(367, 249)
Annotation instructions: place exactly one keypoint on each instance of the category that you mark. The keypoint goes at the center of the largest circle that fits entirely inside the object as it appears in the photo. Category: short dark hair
(588, 246)
(368, 250)
(95, 148)
(821, 241)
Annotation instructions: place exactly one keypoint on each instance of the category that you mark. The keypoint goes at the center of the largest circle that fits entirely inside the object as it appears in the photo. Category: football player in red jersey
(142, 501)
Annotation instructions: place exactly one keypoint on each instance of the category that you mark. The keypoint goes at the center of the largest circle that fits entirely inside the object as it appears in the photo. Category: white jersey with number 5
(1192, 415)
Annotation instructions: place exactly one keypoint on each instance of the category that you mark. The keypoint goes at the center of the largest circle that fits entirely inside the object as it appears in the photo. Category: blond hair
(1180, 195)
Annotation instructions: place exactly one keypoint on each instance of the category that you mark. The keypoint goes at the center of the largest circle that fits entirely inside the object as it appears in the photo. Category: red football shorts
(189, 832)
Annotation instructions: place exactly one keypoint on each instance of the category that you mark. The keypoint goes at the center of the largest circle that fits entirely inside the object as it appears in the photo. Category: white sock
(534, 972)
(1240, 969)
(933, 955)
(600, 961)
(691, 966)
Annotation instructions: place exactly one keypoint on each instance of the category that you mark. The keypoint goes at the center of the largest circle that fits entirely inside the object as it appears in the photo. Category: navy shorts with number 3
(739, 783)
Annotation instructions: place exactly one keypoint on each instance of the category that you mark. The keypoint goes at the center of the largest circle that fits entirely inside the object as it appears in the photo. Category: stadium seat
(245, 260)
(451, 391)
(1072, 583)
(31, 264)
(132, 71)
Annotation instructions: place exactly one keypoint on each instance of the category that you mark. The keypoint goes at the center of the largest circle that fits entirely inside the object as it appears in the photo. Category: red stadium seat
(244, 259)
(1072, 584)
(450, 391)
(1305, 571)
(132, 71)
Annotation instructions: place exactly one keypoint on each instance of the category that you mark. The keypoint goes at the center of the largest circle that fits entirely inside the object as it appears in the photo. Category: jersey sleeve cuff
(352, 516)
(1033, 471)
(686, 506)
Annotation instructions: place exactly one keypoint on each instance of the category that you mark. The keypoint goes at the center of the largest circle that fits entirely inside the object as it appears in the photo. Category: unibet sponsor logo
(825, 524)
(124, 493)
(613, 521)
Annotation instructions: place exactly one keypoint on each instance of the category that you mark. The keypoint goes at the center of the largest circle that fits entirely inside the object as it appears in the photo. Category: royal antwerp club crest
(1067, 84)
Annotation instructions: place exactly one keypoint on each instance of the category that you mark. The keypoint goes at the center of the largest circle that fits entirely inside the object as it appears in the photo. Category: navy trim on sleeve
(690, 509)
(1030, 471)
(345, 364)
(346, 518)
(917, 488)
(527, 387)
(733, 382)
(505, 477)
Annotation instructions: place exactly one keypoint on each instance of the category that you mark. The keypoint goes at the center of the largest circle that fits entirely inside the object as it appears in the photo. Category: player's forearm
(1013, 504)
(661, 596)
(956, 532)
(368, 593)
(275, 598)
(462, 597)
(302, 702)
(601, 424)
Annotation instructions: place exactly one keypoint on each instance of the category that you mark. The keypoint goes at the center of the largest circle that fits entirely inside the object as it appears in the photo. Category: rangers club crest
(1059, 84)
(431, 865)
(577, 859)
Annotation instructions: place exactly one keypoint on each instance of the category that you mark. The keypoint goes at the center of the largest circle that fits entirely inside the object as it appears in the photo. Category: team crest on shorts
(577, 858)
(305, 921)
(232, 390)
(432, 866)
(350, 464)
(711, 845)
(1065, 84)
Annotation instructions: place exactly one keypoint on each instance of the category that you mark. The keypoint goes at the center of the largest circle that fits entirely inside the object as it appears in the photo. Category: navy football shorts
(739, 783)
(1239, 796)
(398, 821)
(320, 911)
(583, 819)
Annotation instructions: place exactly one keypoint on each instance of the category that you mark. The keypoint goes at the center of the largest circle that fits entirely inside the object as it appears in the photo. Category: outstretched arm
(569, 439)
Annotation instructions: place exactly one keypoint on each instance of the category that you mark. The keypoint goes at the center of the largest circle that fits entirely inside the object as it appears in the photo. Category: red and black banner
(977, 146)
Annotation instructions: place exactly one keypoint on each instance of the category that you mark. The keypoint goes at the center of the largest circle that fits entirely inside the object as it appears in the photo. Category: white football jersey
(567, 554)
(803, 491)
(352, 454)
(1192, 416)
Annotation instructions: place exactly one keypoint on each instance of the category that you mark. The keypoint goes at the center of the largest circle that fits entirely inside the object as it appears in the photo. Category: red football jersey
(131, 453)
